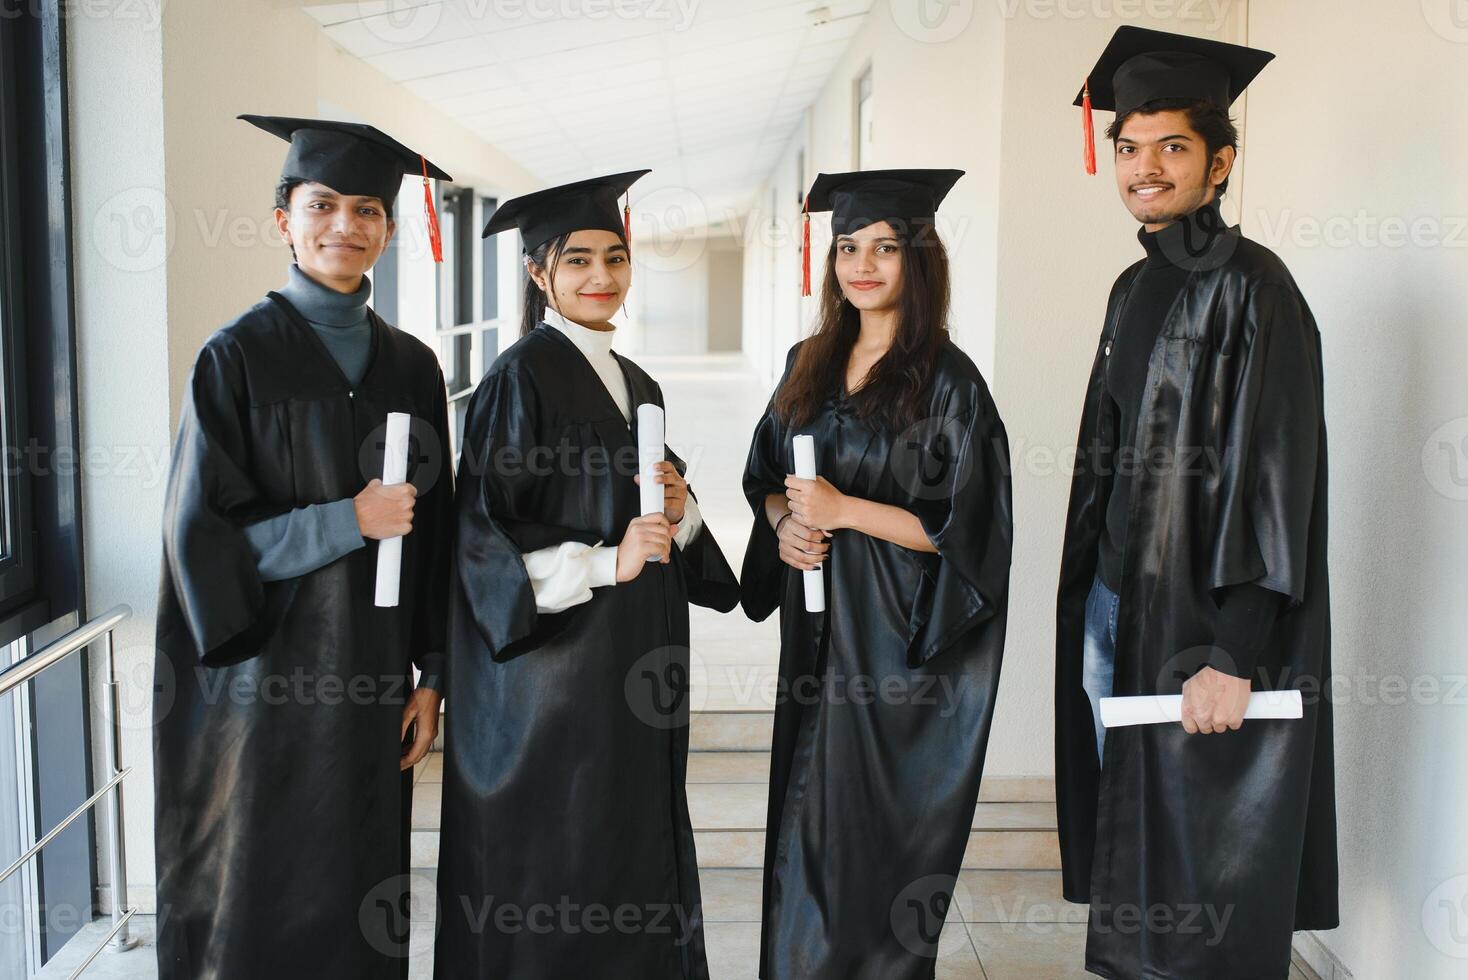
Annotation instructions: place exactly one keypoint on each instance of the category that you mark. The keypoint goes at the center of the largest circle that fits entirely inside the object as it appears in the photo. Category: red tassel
(805, 250)
(1090, 128)
(627, 220)
(435, 237)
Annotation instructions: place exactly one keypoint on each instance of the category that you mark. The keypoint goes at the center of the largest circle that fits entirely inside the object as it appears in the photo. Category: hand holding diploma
(651, 432)
(1156, 709)
(805, 469)
(394, 474)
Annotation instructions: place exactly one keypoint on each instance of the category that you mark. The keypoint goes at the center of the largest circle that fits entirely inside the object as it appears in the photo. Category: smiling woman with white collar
(567, 848)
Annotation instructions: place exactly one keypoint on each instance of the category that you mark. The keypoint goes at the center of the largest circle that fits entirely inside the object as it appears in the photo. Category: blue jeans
(1098, 666)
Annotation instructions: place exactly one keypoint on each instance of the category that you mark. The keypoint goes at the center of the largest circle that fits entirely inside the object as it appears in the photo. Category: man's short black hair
(1207, 120)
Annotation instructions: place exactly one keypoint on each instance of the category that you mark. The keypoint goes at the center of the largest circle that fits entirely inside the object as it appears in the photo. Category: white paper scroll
(1155, 709)
(394, 470)
(650, 438)
(805, 468)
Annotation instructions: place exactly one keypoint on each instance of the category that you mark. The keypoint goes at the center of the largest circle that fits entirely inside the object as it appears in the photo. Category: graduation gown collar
(638, 392)
(303, 328)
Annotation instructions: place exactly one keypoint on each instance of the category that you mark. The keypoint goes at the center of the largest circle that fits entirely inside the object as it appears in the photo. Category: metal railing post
(122, 937)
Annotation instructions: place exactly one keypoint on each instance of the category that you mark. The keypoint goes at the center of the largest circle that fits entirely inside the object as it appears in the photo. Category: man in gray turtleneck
(307, 538)
(283, 783)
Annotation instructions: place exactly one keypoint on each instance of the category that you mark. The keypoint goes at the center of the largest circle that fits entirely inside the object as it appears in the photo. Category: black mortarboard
(350, 158)
(864, 197)
(1141, 66)
(585, 204)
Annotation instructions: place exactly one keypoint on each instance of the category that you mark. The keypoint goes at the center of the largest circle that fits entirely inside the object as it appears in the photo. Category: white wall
(152, 105)
(1357, 144)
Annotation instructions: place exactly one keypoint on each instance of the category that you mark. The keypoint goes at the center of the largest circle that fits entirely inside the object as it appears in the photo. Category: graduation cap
(1141, 66)
(585, 204)
(864, 197)
(352, 158)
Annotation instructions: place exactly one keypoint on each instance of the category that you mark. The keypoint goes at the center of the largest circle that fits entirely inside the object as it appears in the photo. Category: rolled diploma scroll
(805, 468)
(394, 470)
(650, 433)
(1155, 709)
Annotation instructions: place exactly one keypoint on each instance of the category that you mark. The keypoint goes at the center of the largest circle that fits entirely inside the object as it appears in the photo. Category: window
(468, 300)
(45, 766)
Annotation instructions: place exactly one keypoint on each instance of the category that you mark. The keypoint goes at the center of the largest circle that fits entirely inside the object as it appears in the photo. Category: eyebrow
(852, 238)
(1160, 139)
(329, 195)
(584, 250)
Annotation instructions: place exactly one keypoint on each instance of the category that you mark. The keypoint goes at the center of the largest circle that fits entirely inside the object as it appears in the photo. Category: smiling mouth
(599, 297)
(346, 245)
(864, 283)
(1146, 191)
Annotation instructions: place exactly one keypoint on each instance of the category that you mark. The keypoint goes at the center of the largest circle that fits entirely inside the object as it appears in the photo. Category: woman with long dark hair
(887, 694)
(567, 848)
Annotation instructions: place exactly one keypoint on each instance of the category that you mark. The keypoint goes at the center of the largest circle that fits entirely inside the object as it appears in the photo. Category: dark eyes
(849, 248)
(1128, 150)
(367, 211)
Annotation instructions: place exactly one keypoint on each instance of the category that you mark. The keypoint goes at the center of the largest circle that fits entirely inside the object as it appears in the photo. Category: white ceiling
(705, 92)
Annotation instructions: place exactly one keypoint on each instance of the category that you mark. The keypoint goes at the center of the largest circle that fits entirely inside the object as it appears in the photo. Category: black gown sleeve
(433, 522)
(211, 496)
(496, 510)
(1271, 448)
(967, 516)
(762, 576)
(1246, 616)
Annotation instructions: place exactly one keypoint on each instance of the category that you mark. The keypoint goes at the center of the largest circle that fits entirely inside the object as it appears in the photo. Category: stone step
(987, 850)
(739, 800)
(743, 806)
(730, 731)
(754, 767)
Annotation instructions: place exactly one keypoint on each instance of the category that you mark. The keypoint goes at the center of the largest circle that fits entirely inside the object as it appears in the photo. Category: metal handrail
(119, 937)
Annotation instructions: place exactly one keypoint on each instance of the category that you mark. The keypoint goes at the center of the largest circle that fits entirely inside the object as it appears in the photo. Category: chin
(354, 264)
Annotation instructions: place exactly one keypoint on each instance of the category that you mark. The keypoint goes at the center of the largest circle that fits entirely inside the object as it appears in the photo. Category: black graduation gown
(886, 698)
(1227, 842)
(567, 848)
(281, 816)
